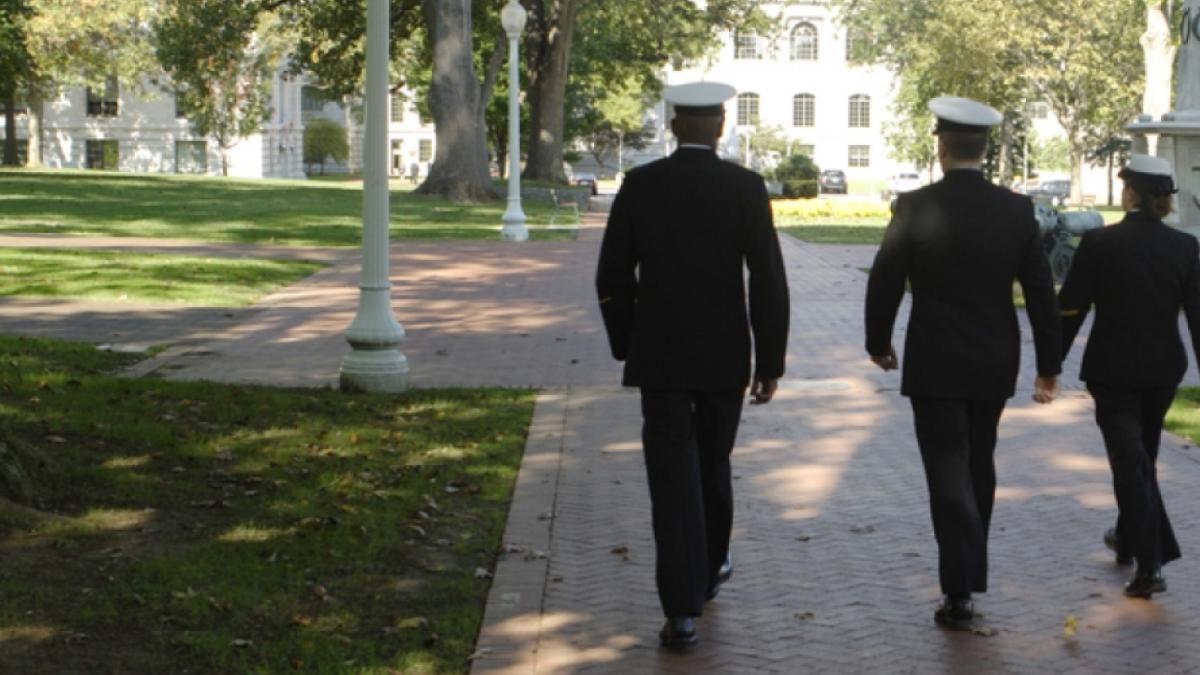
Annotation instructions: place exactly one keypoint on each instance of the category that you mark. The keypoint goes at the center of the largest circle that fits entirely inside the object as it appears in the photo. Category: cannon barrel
(1075, 223)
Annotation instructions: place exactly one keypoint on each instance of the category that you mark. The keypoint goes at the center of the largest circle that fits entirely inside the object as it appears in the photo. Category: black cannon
(1059, 230)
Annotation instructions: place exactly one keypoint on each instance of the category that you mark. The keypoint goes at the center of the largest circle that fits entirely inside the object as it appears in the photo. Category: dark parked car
(588, 180)
(1053, 192)
(833, 181)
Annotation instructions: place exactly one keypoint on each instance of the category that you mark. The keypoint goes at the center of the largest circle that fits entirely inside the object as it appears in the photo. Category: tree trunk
(554, 21)
(1160, 61)
(1077, 154)
(1004, 163)
(36, 107)
(10, 127)
(1111, 156)
(460, 165)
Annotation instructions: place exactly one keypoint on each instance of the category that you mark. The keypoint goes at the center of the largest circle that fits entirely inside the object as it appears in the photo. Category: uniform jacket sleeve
(1191, 297)
(885, 287)
(769, 302)
(616, 273)
(1041, 305)
(1077, 294)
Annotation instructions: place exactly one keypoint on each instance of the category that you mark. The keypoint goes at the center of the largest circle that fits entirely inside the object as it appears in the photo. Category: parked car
(833, 181)
(904, 182)
(588, 180)
(1053, 192)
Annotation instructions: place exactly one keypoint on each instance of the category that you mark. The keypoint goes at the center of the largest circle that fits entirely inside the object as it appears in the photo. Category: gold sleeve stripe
(605, 300)
(1071, 312)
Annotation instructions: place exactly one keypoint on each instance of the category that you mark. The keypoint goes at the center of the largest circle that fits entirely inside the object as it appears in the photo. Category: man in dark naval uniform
(1138, 274)
(961, 243)
(671, 281)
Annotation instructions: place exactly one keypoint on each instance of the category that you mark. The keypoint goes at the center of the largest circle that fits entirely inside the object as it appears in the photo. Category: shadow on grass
(234, 529)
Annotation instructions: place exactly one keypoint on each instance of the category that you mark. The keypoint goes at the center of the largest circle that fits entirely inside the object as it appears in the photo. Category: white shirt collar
(696, 146)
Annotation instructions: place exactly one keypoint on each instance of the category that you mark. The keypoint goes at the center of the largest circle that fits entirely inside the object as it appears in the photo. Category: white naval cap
(963, 114)
(1154, 173)
(699, 99)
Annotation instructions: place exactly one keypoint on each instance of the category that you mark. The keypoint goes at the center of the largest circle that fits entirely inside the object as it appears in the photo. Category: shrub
(798, 175)
(325, 140)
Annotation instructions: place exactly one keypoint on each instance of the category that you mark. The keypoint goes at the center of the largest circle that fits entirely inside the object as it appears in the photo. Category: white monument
(1179, 131)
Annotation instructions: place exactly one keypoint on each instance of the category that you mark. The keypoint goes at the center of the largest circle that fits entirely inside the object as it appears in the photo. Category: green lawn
(1184, 416)
(312, 213)
(219, 529)
(837, 234)
(139, 277)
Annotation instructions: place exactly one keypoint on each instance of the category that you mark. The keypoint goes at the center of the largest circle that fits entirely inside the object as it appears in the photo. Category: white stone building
(139, 130)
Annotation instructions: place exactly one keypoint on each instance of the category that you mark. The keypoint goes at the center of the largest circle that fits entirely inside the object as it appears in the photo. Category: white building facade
(140, 130)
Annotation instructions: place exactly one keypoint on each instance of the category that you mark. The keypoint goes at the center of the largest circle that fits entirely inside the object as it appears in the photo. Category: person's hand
(888, 361)
(1045, 389)
(763, 390)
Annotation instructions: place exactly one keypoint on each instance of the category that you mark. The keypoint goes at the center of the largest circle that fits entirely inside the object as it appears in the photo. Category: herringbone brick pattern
(833, 547)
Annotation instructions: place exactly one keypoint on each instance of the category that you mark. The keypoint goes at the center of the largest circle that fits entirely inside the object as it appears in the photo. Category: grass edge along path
(219, 529)
(145, 277)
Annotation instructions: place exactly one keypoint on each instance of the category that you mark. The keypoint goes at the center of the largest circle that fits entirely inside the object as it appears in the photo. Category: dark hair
(965, 146)
(693, 129)
(1149, 200)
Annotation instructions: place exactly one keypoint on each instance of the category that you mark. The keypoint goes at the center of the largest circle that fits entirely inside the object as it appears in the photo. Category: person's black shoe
(1110, 540)
(723, 575)
(679, 632)
(1146, 583)
(956, 613)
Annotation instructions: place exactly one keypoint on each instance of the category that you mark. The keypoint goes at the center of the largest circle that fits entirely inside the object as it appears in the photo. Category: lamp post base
(514, 227)
(374, 371)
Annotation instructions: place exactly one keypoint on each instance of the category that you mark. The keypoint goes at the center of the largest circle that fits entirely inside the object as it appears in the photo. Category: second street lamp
(513, 19)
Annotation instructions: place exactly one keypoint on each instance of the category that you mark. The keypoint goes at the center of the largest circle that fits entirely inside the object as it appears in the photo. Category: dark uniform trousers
(1131, 421)
(687, 438)
(958, 441)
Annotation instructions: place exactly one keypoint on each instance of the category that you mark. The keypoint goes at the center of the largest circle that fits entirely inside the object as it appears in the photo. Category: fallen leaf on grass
(76, 638)
(56, 439)
(241, 643)
(480, 653)
(301, 620)
(481, 573)
(184, 595)
(412, 623)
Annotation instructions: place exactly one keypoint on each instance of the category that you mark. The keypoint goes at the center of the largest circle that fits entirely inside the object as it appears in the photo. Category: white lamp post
(513, 19)
(375, 365)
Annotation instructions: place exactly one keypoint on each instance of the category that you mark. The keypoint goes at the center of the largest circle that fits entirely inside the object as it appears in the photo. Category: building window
(804, 110)
(103, 155)
(805, 42)
(860, 157)
(312, 100)
(103, 103)
(747, 110)
(397, 108)
(191, 157)
(746, 46)
(425, 151)
(180, 112)
(397, 157)
(1039, 111)
(860, 111)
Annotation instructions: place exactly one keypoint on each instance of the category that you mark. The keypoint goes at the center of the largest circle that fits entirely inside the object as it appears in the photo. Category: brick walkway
(836, 568)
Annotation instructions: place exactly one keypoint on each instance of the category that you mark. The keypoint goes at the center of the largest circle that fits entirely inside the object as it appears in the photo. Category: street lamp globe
(513, 18)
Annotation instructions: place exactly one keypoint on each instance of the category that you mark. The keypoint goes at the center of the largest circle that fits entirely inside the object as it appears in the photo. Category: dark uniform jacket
(1139, 274)
(671, 276)
(961, 243)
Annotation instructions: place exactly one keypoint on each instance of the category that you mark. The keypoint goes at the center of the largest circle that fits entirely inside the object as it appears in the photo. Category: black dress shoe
(1146, 583)
(1110, 540)
(679, 632)
(956, 613)
(723, 575)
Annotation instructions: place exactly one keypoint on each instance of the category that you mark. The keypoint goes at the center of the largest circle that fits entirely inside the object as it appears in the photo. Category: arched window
(805, 42)
(747, 110)
(746, 46)
(860, 111)
(804, 110)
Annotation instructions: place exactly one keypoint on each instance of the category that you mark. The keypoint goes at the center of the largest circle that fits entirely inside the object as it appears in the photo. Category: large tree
(14, 68)
(221, 56)
(84, 42)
